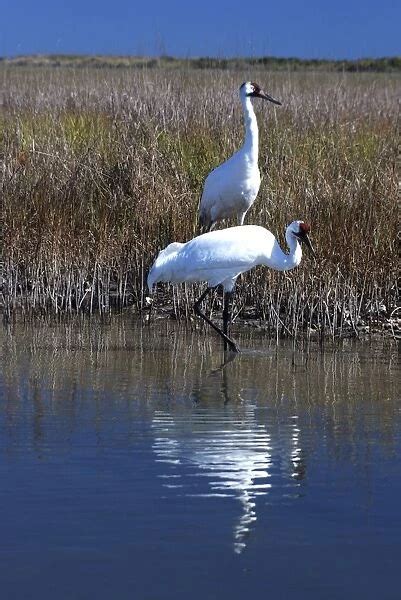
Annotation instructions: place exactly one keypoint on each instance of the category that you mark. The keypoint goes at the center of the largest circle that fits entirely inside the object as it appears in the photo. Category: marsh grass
(103, 168)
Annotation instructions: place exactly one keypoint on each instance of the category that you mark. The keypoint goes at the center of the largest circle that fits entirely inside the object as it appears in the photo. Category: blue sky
(309, 28)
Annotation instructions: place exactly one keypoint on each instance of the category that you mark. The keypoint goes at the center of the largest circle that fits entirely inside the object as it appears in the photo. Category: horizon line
(167, 56)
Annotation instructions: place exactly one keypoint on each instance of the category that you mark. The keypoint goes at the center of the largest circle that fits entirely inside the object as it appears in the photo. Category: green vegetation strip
(272, 63)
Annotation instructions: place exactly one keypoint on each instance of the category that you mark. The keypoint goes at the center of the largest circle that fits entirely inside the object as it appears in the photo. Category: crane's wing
(220, 186)
(223, 254)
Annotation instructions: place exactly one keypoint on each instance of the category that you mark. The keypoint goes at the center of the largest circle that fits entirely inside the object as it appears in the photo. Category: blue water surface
(135, 464)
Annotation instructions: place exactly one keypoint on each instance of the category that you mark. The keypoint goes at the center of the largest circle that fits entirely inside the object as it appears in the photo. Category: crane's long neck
(251, 143)
(281, 261)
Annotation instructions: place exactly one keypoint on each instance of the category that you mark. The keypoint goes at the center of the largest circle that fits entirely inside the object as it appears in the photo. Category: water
(133, 464)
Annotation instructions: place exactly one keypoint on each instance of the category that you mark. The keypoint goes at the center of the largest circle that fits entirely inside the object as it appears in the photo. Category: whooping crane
(231, 189)
(219, 257)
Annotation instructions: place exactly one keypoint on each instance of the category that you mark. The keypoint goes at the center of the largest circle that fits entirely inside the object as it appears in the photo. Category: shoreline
(387, 328)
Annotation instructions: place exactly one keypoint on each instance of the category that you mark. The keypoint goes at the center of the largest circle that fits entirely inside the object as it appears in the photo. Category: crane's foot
(230, 345)
(234, 347)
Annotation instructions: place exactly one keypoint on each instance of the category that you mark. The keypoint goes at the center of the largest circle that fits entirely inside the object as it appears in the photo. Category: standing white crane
(231, 189)
(219, 257)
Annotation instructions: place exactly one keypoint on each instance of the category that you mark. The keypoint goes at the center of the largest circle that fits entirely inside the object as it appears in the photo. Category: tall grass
(102, 168)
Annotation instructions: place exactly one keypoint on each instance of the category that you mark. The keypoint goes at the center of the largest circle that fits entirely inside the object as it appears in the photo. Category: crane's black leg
(231, 344)
(226, 315)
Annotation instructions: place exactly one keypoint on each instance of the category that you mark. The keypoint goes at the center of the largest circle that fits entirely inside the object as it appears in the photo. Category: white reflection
(218, 453)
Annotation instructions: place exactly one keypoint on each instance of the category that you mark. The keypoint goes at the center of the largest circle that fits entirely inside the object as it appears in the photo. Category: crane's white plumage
(231, 188)
(218, 257)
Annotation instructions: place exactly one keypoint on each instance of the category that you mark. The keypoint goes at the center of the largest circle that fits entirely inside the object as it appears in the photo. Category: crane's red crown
(304, 227)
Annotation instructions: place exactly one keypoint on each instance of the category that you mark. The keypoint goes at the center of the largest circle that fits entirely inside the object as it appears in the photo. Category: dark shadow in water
(212, 378)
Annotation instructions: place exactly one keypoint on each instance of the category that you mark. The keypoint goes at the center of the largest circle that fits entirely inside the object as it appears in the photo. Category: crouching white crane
(218, 257)
(231, 189)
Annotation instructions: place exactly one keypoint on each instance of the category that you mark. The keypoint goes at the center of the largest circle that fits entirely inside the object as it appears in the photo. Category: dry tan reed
(102, 168)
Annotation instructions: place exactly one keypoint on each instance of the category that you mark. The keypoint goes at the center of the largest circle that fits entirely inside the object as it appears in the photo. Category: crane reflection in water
(224, 444)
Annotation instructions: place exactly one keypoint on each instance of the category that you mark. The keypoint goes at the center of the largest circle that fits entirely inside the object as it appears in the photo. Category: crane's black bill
(304, 238)
(262, 94)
